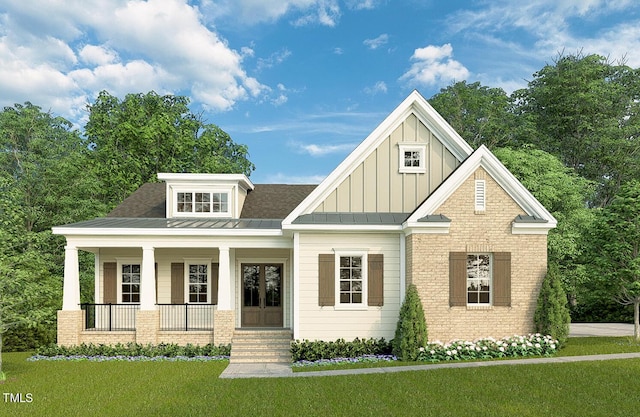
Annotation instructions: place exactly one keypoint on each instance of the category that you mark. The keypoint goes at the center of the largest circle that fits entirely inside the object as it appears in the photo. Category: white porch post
(148, 280)
(224, 279)
(71, 287)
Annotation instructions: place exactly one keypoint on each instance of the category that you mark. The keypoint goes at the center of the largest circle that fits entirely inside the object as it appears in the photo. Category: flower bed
(489, 348)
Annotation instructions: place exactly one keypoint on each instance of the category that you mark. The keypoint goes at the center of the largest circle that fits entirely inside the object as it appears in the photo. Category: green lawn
(192, 389)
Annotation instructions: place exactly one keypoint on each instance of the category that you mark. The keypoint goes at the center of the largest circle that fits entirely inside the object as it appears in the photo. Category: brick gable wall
(428, 265)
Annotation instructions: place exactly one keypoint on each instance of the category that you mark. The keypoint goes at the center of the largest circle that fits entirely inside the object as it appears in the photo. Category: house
(199, 258)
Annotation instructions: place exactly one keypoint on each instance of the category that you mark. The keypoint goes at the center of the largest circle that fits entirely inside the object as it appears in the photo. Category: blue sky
(301, 82)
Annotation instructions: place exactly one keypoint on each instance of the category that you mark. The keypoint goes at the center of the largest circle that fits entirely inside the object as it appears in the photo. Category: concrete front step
(261, 346)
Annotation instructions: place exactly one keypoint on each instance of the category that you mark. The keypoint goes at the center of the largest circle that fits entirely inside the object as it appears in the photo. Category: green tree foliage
(411, 330)
(481, 115)
(552, 313)
(616, 242)
(586, 110)
(135, 138)
(44, 181)
(563, 193)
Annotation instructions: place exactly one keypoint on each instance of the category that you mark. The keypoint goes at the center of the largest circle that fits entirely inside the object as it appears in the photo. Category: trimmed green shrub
(411, 331)
(135, 349)
(552, 313)
(305, 350)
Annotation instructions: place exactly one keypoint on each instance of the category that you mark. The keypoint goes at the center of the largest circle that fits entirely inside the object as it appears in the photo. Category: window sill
(351, 308)
(480, 307)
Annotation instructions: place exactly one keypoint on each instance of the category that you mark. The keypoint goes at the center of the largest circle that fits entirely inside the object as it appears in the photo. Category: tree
(480, 114)
(552, 314)
(563, 193)
(134, 139)
(45, 180)
(617, 245)
(411, 330)
(586, 110)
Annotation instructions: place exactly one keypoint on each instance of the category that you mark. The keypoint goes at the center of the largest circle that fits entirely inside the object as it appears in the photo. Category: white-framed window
(129, 276)
(198, 203)
(198, 288)
(479, 278)
(412, 158)
(480, 197)
(351, 279)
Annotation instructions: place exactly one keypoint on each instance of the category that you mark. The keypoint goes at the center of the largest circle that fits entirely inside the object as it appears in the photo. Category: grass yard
(607, 388)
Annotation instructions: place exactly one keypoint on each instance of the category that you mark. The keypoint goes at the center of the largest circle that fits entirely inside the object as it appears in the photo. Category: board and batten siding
(376, 185)
(330, 323)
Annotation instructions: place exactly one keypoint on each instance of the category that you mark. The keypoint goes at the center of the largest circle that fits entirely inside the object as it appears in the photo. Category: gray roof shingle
(266, 201)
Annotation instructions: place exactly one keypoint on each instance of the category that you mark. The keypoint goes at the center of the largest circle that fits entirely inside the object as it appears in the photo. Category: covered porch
(176, 289)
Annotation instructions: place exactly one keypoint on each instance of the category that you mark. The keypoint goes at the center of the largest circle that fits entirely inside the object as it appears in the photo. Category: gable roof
(265, 201)
(482, 157)
(413, 104)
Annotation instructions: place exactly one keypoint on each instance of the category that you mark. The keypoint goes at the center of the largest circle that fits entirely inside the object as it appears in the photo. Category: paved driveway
(600, 329)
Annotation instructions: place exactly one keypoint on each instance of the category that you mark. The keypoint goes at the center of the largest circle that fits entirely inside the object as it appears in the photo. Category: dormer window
(205, 195)
(412, 158)
(205, 202)
(202, 203)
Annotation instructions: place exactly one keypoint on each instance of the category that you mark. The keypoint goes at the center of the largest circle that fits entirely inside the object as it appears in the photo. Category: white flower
(433, 352)
(537, 345)
(501, 349)
(448, 352)
(421, 349)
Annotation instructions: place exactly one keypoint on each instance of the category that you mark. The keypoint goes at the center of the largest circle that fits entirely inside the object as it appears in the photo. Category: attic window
(412, 158)
(480, 196)
(202, 203)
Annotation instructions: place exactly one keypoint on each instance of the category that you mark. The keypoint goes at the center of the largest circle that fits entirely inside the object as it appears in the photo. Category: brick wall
(147, 327)
(224, 326)
(69, 327)
(490, 231)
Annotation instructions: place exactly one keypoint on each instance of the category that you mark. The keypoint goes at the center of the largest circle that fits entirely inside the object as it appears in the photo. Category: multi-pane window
(412, 158)
(130, 283)
(198, 283)
(479, 278)
(350, 276)
(205, 202)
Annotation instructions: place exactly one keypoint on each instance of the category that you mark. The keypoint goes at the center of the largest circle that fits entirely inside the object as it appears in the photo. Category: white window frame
(490, 302)
(480, 195)
(364, 302)
(187, 264)
(421, 150)
(193, 192)
(120, 263)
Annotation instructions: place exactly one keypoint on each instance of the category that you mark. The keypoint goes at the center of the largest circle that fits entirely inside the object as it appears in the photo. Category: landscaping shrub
(305, 350)
(134, 349)
(552, 313)
(411, 331)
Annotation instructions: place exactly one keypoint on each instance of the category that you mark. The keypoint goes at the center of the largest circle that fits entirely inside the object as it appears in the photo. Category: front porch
(182, 295)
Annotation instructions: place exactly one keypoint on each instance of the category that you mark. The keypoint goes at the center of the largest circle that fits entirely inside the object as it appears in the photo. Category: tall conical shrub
(552, 313)
(411, 331)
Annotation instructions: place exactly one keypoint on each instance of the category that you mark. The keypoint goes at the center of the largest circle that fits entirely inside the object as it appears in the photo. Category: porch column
(224, 279)
(148, 280)
(71, 287)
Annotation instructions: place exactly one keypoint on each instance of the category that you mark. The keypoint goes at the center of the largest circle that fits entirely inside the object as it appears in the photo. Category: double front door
(262, 295)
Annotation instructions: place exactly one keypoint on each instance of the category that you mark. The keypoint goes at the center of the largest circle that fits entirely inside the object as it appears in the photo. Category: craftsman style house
(198, 258)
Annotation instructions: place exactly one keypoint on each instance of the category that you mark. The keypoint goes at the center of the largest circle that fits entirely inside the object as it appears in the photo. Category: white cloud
(98, 55)
(322, 149)
(433, 65)
(68, 51)
(338, 51)
(274, 59)
(377, 42)
(379, 87)
(300, 12)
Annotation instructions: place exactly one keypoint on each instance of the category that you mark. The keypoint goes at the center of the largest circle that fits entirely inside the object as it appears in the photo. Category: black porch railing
(110, 317)
(185, 317)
